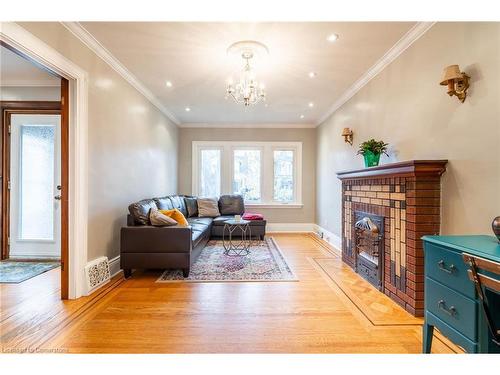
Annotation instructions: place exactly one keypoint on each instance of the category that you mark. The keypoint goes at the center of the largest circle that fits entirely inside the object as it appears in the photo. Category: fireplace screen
(369, 240)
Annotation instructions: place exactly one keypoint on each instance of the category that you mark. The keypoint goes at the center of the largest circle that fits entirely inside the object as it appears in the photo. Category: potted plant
(371, 151)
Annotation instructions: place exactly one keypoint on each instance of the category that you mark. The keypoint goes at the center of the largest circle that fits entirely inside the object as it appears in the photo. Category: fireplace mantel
(407, 196)
(400, 169)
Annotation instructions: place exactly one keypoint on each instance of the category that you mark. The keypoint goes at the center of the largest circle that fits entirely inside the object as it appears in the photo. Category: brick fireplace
(405, 198)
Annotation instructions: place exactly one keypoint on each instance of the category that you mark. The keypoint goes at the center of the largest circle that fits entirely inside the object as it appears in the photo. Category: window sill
(274, 205)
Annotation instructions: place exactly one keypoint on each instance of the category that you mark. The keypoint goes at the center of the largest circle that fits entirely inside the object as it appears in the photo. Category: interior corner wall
(43, 93)
(405, 106)
(306, 214)
(132, 146)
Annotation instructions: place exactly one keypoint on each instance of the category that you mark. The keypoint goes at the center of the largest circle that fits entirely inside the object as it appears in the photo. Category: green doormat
(16, 272)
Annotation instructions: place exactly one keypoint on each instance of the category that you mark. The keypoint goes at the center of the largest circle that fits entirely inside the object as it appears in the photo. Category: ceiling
(193, 57)
(17, 71)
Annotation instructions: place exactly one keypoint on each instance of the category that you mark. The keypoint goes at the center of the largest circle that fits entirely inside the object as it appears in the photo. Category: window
(283, 176)
(246, 174)
(210, 172)
(264, 173)
(36, 183)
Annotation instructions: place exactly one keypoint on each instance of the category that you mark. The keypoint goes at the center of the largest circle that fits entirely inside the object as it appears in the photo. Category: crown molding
(88, 39)
(419, 29)
(230, 125)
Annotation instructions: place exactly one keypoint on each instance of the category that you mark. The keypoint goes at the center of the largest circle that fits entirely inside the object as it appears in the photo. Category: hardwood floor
(319, 314)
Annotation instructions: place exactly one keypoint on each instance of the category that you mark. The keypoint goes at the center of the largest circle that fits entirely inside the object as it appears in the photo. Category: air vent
(97, 273)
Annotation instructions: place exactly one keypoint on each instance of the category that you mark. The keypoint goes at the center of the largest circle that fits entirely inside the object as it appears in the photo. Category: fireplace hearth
(369, 247)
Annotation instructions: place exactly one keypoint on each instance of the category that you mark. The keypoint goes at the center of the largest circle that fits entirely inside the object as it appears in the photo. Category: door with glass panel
(35, 175)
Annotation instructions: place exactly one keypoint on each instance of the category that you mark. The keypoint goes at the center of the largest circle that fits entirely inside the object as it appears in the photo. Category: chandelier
(247, 90)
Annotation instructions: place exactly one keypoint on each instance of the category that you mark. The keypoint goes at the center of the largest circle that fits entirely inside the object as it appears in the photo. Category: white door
(35, 175)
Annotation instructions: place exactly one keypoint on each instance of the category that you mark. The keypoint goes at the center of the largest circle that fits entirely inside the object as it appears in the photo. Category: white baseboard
(114, 266)
(329, 237)
(290, 227)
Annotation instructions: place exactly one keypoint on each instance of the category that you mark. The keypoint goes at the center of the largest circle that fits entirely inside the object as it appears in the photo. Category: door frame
(24, 43)
(7, 110)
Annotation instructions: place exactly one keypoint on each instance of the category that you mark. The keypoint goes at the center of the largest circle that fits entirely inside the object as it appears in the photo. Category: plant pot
(371, 159)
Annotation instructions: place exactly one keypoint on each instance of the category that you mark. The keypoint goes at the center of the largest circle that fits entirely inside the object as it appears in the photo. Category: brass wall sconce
(348, 135)
(457, 82)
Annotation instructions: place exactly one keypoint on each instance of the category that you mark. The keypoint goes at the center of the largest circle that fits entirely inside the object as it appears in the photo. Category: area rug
(265, 262)
(16, 272)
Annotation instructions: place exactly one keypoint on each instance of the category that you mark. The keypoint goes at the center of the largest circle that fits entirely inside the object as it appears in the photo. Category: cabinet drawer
(448, 268)
(455, 336)
(451, 307)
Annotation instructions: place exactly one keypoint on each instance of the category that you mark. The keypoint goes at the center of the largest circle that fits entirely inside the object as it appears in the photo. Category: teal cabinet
(451, 302)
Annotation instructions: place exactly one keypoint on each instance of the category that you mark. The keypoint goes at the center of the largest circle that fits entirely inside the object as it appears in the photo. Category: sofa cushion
(231, 204)
(200, 233)
(199, 220)
(157, 219)
(178, 202)
(221, 219)
(140, 211)
(191, 206)
(164, 203)
(208, 207)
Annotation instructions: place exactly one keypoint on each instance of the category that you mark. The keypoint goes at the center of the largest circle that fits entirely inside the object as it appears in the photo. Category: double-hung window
(264, 173)
(210, 172)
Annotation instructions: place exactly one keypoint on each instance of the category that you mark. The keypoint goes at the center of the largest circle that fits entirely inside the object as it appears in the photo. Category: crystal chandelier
(247, 90)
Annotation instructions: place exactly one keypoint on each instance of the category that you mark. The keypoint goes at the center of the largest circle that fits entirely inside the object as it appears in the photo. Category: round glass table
(238, 239)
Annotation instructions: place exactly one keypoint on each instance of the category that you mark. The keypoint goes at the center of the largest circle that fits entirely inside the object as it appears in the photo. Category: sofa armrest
(149, 239)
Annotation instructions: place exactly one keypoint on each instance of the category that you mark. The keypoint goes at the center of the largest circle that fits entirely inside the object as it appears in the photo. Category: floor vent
(97, 273)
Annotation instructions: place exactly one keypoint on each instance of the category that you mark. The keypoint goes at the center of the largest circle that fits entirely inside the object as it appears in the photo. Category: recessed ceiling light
(301, 116)
(311, 104)
(332, 37)
(187, 109)
(312, 74)
(168, 84)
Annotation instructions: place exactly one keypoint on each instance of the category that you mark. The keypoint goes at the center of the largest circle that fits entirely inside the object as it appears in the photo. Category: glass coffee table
(238, 245)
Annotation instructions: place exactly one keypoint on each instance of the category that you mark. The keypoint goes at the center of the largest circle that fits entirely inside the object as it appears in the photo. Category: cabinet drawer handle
(443, 268)
(452, 311)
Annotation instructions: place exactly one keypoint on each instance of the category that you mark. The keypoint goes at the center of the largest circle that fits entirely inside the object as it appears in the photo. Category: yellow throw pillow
(176, 215)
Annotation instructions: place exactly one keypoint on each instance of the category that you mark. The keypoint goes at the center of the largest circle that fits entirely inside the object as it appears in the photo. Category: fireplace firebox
(369, 247)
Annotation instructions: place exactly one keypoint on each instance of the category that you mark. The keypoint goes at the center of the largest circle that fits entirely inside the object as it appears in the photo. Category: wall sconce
(348, 135)
(457, 82)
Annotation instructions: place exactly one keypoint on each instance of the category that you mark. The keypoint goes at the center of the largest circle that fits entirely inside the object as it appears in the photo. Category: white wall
(405, 106)
(132, 145)
(30, 93)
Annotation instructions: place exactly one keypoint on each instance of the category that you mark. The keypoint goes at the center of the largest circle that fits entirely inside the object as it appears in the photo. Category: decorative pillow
(208, 207)
(191, 206)
(140, 211)
(252, 216)
(177, 216)
(158, 219)
(231, 204)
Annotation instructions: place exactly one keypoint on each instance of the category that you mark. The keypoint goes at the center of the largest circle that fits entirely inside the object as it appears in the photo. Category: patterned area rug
(265, 262)
(16, 272)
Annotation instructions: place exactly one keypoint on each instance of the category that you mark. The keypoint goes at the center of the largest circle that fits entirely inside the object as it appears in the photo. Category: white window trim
(267, 169)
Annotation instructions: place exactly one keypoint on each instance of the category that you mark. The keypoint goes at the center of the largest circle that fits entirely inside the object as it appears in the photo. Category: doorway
(35, 184)
(35, 177)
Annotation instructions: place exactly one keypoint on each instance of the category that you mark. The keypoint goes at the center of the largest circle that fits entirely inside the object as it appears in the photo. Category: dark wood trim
(33, 105)
(7, 108)
(65, 188)
(401, 169)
